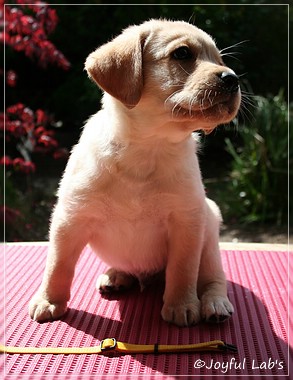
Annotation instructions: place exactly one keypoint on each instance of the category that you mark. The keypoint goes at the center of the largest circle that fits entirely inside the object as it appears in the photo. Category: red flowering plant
(25, 27)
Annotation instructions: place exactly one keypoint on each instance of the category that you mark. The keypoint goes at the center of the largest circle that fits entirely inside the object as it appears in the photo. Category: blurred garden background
(48, 97)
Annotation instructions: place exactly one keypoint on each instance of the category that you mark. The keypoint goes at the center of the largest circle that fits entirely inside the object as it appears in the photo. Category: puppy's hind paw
(41, 310)
(216, 308)
(114, 281)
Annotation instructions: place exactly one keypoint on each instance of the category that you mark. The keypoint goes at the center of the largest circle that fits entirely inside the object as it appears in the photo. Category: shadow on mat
(260, 350)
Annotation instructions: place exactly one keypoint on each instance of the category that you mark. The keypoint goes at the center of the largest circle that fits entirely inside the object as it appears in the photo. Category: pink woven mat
(258, 288)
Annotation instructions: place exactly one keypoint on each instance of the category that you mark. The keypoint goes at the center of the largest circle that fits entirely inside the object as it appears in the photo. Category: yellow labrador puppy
(132, 188)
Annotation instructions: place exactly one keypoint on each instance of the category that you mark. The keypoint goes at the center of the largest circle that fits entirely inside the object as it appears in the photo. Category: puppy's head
(172, 67)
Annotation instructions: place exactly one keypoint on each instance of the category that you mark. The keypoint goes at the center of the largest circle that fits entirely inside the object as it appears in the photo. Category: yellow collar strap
(112, 345)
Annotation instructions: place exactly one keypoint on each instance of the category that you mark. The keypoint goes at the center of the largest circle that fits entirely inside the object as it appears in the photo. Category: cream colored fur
(132, 188)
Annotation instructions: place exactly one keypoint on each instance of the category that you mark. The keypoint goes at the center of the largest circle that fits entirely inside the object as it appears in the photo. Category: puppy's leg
(114, 280)
(66, 244)
(215, 305)
(181, 303)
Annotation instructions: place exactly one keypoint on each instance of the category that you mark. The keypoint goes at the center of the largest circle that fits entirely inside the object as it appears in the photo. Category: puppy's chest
(132, 202)
(125, 192)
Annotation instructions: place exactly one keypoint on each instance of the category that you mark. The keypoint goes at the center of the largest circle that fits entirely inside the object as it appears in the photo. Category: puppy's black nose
(230, 80)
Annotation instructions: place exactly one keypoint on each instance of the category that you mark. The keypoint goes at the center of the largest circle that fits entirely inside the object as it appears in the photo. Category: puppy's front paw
(216, 308)
(113, 281)
(41, 310)
(182, 314)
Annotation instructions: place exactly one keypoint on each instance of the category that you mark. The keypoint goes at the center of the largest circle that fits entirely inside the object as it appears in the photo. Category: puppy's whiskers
(177, 107)
(190, 105)
(194, 100)
(170, 96)
(232, 46)
(186, 72)
(232, 54)
(247, 102)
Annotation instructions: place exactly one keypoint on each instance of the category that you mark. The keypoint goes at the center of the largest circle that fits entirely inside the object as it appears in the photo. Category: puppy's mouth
(219, 110)
(216, 107)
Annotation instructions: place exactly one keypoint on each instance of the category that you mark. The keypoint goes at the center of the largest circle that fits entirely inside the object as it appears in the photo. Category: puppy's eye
(182, 53)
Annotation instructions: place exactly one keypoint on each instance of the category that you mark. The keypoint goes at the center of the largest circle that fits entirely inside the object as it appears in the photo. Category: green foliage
(28, 205)
(259, 177)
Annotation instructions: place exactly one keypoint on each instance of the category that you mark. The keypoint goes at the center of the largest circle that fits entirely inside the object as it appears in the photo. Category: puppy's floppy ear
(117, 67)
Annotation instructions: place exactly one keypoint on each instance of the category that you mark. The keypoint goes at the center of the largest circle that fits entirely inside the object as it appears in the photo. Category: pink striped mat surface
(258, 287)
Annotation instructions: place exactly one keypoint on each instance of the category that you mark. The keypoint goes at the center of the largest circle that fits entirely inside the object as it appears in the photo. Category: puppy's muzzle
(230, 81)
